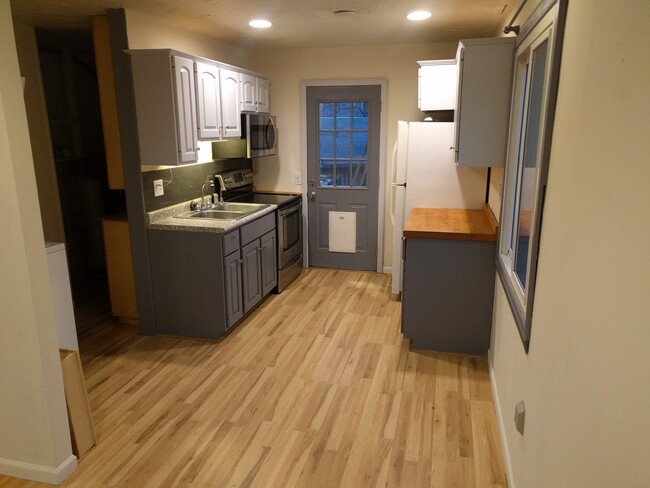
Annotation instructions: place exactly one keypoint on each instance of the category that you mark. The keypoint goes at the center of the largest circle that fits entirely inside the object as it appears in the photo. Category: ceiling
(296, 23)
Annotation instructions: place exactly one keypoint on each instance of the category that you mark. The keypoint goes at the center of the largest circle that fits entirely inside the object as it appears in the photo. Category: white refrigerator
(424, 175)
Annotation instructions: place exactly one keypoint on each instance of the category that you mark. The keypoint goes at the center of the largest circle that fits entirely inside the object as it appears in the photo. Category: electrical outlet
(297, 178)
(158, 189)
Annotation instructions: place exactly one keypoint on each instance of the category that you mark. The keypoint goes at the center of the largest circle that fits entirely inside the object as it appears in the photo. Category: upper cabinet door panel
(230, 103)
(247, 93)
(185, 105)
(262, 99)
(208, 101)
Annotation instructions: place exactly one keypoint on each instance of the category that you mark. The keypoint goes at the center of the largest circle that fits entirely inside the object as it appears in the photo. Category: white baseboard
(36, 472)
(502, 428)
(388, 270)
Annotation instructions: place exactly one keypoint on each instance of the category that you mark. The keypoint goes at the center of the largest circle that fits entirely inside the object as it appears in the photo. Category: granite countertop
(165, 219)
(452, 223)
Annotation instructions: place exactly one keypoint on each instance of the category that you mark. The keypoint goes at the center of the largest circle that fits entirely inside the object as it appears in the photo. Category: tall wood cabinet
(119, 268)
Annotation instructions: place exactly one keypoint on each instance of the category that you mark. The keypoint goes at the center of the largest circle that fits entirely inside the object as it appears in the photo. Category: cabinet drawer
(258, 227)
(230, 242)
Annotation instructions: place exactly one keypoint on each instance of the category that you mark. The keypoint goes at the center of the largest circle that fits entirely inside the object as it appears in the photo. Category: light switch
(158, 189)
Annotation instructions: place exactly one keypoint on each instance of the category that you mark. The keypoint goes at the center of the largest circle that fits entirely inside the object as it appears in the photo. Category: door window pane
(530, 163)
(359, 144)
(343, 145)
(326, 145)
(360, 116)
(326, 112)
(343, 172)
(343, 116)
(326, 177)
(359, 175)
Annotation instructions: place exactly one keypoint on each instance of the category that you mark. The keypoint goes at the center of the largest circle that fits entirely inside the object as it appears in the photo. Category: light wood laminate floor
(317, 388)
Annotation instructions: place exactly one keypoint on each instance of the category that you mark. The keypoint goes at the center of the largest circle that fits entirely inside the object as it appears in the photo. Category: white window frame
(546, 24)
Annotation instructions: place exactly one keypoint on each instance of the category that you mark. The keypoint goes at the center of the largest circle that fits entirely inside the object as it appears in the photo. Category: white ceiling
(296, 23)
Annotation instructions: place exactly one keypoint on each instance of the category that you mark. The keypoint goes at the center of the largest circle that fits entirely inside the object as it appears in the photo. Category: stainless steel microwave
(259, 139)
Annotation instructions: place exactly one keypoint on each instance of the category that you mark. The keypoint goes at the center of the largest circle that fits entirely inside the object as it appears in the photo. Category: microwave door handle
(269, 143)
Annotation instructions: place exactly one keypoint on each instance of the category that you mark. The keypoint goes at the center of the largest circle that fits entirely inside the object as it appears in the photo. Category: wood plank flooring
(317, 388)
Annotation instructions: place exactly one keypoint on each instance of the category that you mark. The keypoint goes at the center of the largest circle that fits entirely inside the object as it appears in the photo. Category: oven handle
(291, 209)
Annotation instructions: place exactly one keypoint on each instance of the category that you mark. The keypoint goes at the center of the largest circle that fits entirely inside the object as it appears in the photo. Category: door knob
(312, 195)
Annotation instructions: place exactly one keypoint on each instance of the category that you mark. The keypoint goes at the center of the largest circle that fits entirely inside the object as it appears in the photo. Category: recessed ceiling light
(260, 24)
(419, 15)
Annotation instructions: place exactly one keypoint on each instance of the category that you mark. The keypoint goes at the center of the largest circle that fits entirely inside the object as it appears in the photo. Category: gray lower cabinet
(251, 271)
(269, 262)
(232, 268)
(448, 294)
(204, 283)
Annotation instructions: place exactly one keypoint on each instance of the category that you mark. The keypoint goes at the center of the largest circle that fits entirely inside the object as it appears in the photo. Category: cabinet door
(251, 271)
(230, 109)
(248, 93)
(208, 101)
(269, 262)
(262, 99)
(232, 265)
(185, 109)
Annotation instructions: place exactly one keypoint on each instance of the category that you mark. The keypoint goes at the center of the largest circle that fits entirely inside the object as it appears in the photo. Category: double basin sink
(224, 211)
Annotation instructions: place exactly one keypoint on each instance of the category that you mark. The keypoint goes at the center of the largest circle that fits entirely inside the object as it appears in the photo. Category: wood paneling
(119, 267)
(108, 102)
(317, 388)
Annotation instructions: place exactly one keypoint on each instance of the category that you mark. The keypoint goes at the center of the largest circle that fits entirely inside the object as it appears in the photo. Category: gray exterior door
(343, 175)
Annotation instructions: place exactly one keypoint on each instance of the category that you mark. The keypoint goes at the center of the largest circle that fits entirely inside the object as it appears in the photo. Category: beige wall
(585, 380)
(287, 68)
(39, 133)
(33, 420)
(147, 32)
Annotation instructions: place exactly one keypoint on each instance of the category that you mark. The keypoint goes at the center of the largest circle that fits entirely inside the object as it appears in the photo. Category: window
(529, 140)
(343, 144)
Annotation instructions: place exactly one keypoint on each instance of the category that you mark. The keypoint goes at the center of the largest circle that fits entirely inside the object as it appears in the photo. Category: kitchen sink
(239, 207)
(224, 211)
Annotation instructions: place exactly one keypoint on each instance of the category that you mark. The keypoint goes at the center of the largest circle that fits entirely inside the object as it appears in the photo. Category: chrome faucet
(222, 187)
(210, 184)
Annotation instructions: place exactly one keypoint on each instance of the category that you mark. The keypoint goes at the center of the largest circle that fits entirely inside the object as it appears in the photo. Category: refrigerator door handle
(393, 184)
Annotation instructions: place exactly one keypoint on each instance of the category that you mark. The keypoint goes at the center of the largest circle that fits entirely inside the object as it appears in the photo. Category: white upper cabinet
(262, 91)
(186, 108)
(208, 101)
(483, 101)
(230, 103)
(165, 103)
(248, 93)
(437, 82)
(254, 94)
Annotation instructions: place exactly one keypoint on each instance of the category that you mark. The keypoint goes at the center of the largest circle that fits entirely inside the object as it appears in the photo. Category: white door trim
(382, 160)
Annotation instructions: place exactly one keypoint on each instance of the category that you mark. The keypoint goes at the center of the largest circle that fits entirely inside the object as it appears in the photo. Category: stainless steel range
(288, 217)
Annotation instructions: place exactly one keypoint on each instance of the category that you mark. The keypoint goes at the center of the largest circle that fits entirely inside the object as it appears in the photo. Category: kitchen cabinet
(437, 82)
(254, 94)
(449, 272)
(230, 103)
(483, 101)
(232, 265)
(203, 283)
(165, 102)
(208, 91)
(217, 102)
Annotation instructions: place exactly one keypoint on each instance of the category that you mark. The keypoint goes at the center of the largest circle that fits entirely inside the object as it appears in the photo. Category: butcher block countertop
(452, 223)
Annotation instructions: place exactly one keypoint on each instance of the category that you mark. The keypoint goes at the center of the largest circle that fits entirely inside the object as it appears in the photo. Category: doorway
(71, 93)
(343, 174)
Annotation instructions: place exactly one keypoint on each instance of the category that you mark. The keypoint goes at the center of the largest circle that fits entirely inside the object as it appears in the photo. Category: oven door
(289, 234)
